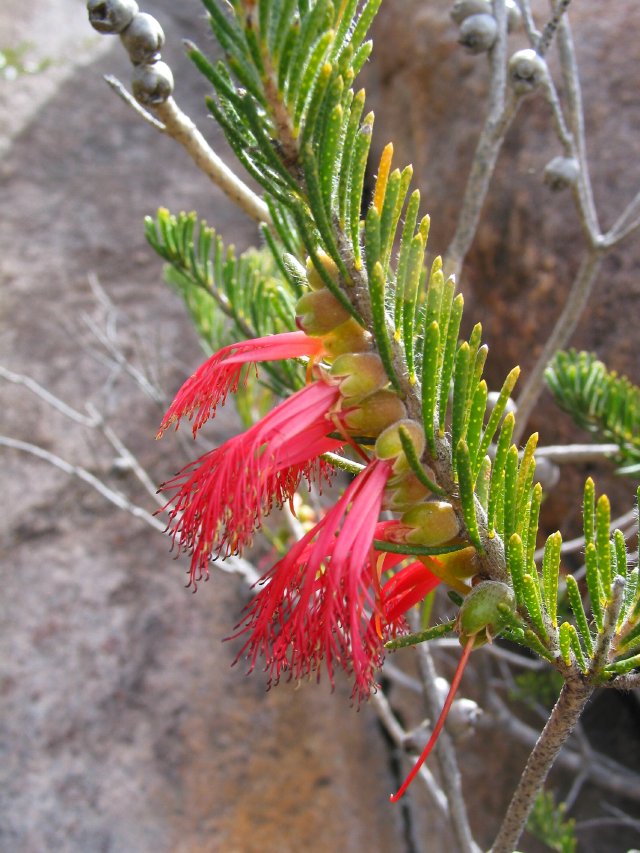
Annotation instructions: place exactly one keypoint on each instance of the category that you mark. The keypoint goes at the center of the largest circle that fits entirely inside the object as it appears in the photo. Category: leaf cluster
(228, 296)
(599, 401)
(283, 95)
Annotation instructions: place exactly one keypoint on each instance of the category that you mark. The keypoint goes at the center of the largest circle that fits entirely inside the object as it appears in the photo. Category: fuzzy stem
(571, 702)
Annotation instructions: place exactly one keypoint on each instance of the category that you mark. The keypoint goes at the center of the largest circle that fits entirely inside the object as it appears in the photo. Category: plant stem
(502, 111)
(171, 120)
(444, 749)
(571, 702)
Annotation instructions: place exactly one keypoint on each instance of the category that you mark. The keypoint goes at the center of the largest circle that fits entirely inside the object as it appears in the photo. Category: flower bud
(561, 172)
(389, 444)
(433, 523)
(111, 16)
(462, 9)
(478, 33)
(375, 414)
(143, 39)
(363, 374)
(404, 494)
(480, 613)
(526, 71)
(319, 312)
(313, 276)
(459, 565)
(152, 84)
(350, 337)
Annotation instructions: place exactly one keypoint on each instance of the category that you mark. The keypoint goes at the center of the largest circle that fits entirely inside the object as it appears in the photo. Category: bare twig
(444, 749)
(49, 398)
(576, 452)
(398, 735)
(545, 39)
(503, 106)
(171, 120)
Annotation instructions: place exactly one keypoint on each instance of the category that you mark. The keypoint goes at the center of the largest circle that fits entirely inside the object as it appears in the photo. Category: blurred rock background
(122, 726)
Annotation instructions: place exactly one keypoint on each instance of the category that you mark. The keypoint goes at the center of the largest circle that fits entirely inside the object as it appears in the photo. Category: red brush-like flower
(323, 602)
(222, 373)
(222, 497)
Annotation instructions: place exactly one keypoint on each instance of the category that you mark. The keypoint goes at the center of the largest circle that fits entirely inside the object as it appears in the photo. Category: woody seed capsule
(152, 84)
(111, 16)
(143, 39)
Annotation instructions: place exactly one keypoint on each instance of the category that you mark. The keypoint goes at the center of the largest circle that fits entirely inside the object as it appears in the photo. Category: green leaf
(594, 585)
(550, 575)
(430, 383)
(432, 633)
(379, 319)
(358, 168)
(449, 357)
(498, 411)
(603, 527)
(416, 466)
(467, 495)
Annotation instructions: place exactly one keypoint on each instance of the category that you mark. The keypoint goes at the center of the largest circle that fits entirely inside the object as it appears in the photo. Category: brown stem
(573, 697)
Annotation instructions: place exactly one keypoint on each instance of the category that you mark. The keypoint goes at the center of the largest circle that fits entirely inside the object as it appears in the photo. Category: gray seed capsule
(462, 9)
(514, 16)
(152, 84)
(561, 172)
(143, 39)
(527, 70)
(478, 33)
(111, 16)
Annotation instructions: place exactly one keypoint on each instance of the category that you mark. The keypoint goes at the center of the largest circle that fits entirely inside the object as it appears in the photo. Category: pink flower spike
(316, 603)
(221, 498)
(208, 387)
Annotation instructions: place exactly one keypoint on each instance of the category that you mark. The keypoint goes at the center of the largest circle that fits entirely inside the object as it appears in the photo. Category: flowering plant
(345, 291)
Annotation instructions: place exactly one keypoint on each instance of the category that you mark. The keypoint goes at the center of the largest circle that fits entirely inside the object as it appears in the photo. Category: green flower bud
(350, 337)
(480, 615)
(320, 312)
(405, 493)
(375, 414)
(363, 374)
(389, 445)
(433, 523)
(313, 276)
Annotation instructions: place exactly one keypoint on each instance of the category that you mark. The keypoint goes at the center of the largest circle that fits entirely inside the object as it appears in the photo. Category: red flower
(323, 602)
(222, 497)
(220, 374)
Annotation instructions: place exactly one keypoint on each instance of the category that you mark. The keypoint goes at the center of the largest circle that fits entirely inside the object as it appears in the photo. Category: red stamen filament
(441, 720)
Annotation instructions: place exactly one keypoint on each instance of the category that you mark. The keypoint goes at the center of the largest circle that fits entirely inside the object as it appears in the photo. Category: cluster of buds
(143, 38)
(478, 28)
